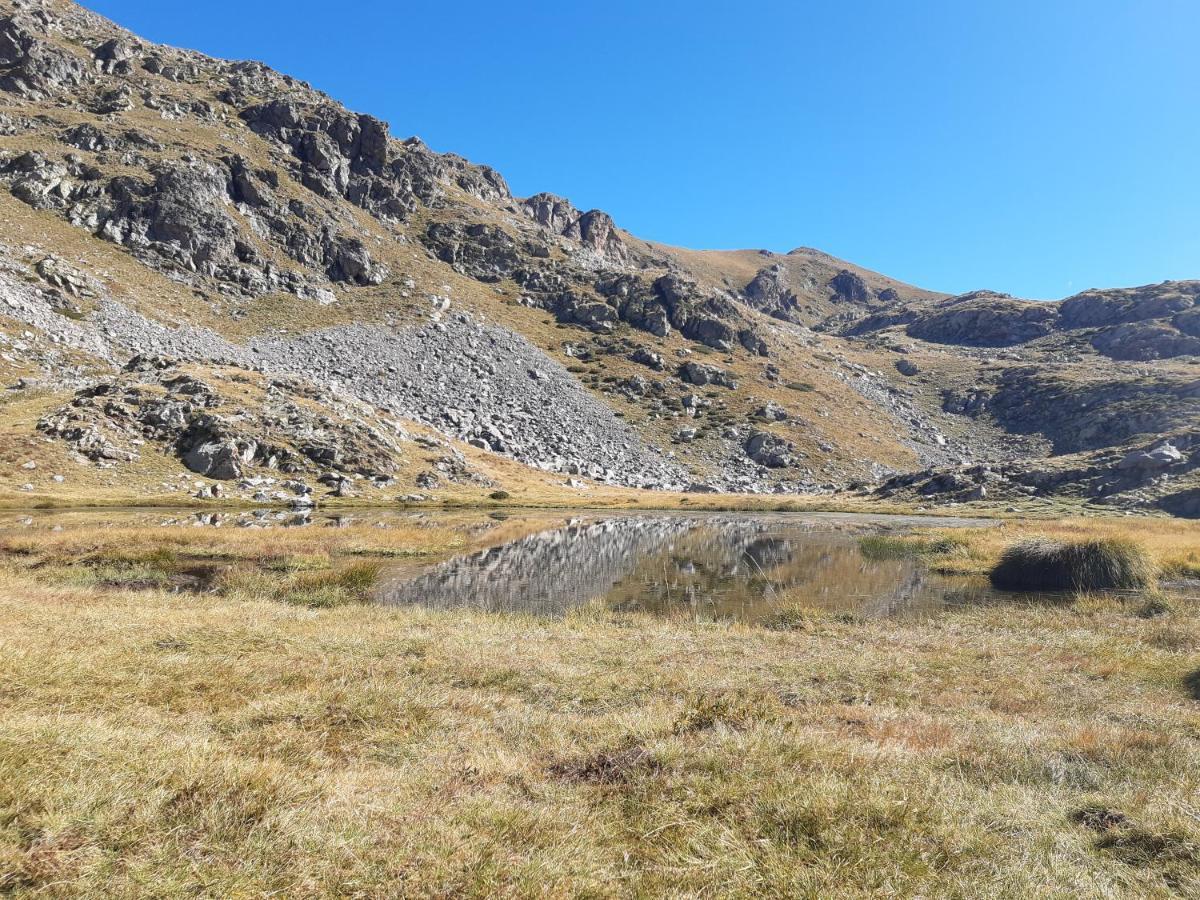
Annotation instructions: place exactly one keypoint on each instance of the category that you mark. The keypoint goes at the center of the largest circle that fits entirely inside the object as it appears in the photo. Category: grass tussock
(1090, 564)
(326, 589)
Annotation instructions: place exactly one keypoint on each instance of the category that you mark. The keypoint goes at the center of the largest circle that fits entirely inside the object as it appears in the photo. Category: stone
(648, 358)
(702, 374)
(771, 412)
(214, 459)
(1160, 457)
(769, 450)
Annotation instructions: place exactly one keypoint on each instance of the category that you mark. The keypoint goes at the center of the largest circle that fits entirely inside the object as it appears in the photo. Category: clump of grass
(316, 590)
(1156, 605)
(888, 546)
(734, 709)
(787, 618)
(891, 546)
(324, 590)
(1089, 564)
(499, 495)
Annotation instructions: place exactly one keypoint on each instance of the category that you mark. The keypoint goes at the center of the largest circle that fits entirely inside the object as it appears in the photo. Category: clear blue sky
(1037, 147)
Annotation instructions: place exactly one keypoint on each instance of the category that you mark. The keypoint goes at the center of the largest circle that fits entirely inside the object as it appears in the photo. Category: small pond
(714, 566)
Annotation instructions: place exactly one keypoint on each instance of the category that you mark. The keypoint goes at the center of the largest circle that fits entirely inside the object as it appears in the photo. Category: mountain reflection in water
(709, 567)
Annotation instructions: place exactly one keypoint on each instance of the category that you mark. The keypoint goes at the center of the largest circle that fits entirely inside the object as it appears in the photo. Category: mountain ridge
(220, 213)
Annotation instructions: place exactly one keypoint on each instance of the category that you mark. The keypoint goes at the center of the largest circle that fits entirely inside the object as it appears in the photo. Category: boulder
(771, 412)
(218, 459)
(648, 358)
(769, 450)
(770, 293)
(1160, 457)
(701, 374)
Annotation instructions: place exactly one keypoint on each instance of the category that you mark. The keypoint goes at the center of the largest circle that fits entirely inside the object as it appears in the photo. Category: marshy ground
(268, 732)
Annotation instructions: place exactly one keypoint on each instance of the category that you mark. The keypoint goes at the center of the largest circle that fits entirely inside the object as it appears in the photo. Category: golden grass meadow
(272, 735)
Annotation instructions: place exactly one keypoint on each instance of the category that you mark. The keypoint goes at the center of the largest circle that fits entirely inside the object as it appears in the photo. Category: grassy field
(1172, 544)
(247, 741)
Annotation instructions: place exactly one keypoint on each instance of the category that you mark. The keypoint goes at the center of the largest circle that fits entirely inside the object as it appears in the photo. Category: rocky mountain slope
(314, 301)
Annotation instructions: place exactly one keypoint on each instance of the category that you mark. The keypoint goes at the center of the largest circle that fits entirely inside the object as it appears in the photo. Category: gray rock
(769, 450)
(214, 459)
(1160, 457)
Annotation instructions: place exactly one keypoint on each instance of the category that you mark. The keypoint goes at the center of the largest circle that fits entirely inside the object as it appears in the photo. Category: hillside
(217, 279)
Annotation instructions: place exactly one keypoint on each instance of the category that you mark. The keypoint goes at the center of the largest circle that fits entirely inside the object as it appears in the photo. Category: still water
(707, 567)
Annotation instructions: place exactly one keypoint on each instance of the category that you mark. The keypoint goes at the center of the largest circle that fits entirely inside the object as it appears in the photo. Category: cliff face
(222, 217)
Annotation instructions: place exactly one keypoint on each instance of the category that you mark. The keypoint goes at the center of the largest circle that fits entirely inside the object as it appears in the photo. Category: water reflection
(708, 567)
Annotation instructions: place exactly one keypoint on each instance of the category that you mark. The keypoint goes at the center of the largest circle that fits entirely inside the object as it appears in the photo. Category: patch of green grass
(889, 546)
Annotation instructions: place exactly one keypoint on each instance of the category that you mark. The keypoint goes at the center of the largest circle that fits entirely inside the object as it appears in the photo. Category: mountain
(215, 278)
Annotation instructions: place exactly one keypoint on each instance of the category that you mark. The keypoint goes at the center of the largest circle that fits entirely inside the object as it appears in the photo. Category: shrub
(499, 495)
(1043, 564)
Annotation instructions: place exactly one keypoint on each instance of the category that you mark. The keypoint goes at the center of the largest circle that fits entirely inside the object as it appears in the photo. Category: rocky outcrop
(154, 402)
(183, 222)
(1138, 477)
(850, 287)
(1153, 322)
(769, 292)
(30, 66)
(1075, 414)
(484, 252)
(985, 321)
(594, 230)
(343, 154)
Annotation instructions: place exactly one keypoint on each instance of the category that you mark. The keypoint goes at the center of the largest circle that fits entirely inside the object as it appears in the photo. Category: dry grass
(264, 546)
(1172, 545)
(231, 744)
(1089, 564)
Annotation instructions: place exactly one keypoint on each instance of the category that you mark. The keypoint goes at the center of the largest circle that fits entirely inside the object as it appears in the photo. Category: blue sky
(1037, 148)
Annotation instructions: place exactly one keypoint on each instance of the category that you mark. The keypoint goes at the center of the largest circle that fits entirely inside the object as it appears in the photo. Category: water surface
(739, 567)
